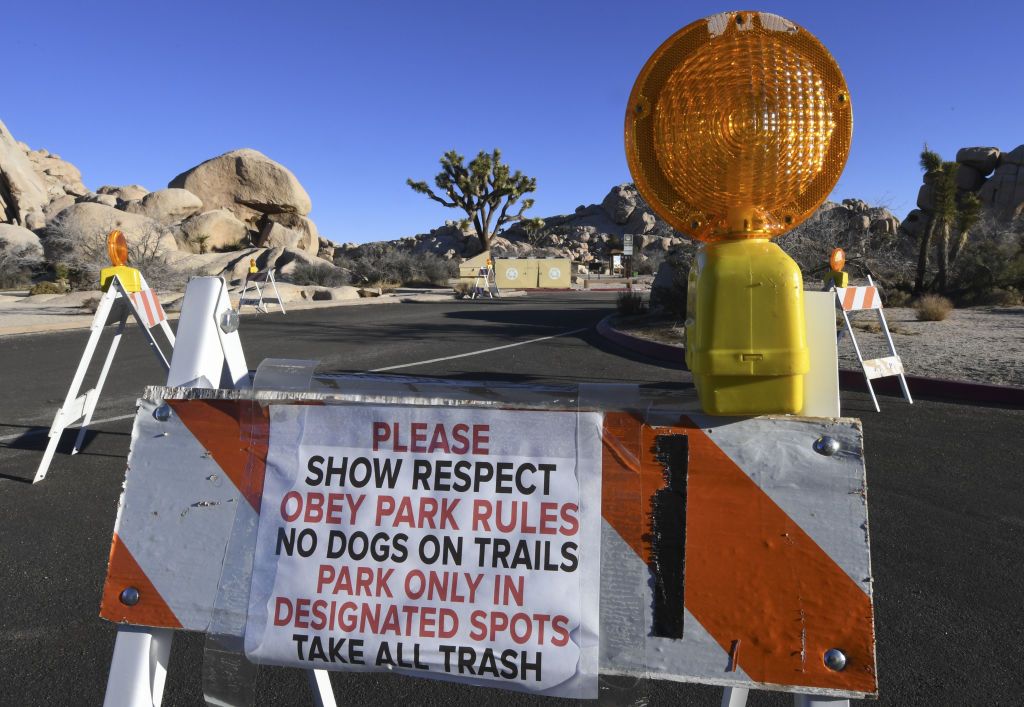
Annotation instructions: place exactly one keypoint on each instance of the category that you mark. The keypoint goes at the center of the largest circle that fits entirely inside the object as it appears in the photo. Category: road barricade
(864, 298)
(118, 303)
(533, 538)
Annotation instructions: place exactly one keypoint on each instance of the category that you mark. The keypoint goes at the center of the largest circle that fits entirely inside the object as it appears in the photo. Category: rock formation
(23, 192)
(227, 203)
(996, 177)
(247, 183)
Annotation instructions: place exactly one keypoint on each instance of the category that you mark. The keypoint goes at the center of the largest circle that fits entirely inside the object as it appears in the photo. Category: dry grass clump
(630, 303)
(897, 298)
(932, 308)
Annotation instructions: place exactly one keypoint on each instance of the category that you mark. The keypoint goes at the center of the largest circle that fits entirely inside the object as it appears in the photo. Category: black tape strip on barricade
(668, 536)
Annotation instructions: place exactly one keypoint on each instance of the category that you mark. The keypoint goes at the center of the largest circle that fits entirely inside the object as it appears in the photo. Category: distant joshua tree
(948, 214)
(484, 189)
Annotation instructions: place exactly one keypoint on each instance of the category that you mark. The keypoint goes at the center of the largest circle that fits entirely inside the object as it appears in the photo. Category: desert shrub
(932, 308)
(897, 297)
(48, 288)
(629, 303)
(992, 259)
(82, 257)
(998, 297)
(16, 265)
(462, 289)
(323, 274)
(91, 304)
(437, 270)
(234, 247)
(382, 266)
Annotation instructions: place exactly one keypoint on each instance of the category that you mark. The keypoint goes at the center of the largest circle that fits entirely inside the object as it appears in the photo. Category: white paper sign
(455, 544)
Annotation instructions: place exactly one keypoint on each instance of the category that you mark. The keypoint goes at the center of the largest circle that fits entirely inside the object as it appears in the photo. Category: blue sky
(354, 97)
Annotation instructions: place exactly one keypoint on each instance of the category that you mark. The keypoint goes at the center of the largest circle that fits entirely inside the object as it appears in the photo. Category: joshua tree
(948, 214)
(482, 189)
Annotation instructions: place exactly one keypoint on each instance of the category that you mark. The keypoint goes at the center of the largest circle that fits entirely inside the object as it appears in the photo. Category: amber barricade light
(117, 251)
(737, 128)
(836, 277)
(837, 261)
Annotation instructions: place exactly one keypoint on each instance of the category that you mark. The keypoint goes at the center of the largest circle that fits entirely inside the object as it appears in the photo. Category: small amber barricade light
(117, 251)
(836, 262)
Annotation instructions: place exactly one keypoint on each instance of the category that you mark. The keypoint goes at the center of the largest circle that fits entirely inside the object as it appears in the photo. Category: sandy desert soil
(980, 344)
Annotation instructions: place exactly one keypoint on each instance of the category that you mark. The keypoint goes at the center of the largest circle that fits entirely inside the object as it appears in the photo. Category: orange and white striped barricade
(724, 551)
(259, 281)
(485, 284)
(855, 299)
(144, 306)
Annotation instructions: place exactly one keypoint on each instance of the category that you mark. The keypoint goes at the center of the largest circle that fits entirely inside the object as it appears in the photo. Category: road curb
(940, 388)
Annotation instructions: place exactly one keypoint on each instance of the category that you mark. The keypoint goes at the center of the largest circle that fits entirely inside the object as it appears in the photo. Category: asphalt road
(946, 499)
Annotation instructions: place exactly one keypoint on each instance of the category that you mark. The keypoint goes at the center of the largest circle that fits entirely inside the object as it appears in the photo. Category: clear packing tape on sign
(657, 542)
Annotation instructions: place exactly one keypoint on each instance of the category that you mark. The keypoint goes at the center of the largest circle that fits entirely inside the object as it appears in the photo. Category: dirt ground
(980, 344)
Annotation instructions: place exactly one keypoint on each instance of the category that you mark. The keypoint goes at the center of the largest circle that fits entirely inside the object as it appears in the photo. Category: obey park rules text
(457, 544)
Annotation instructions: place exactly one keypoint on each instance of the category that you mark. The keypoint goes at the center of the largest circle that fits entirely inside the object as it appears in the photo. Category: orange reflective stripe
(754, 576)
(869, 296)
(218, 426)
(849, 298)
(158, 308)
(123, 572)
(624, 503)
(144, 301)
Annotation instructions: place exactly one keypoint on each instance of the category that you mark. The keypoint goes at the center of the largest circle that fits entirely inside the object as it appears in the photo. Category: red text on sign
(429, 438)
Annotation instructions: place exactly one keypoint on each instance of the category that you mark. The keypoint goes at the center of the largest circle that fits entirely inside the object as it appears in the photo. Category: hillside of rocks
(210, 218)
(592, 232)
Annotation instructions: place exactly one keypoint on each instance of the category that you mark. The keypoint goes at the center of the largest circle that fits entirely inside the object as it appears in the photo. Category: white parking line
(45, 430)
(41, 430)
(477, 353)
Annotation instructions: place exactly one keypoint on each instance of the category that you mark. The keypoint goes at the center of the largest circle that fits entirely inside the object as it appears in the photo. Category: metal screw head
(835, 659)
(129, 596)
(826, 446)
(162, 413)
(229, 321)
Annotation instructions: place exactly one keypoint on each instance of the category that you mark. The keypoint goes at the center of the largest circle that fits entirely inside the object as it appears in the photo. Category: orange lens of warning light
(117, 248)
(738, 126)
(837, 261)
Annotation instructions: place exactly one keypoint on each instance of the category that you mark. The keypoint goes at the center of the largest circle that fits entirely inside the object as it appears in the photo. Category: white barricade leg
(819, 701)
(91, 403)
(138, 668)
(63, 418)
(241, 297)
(320, 686)
(734, 697)
(860, 359)
(260, 307)
(169, 333)
(273, 282)
(892, 348)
